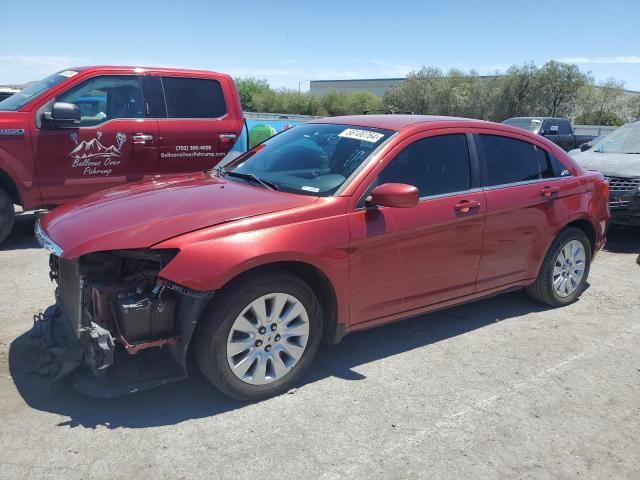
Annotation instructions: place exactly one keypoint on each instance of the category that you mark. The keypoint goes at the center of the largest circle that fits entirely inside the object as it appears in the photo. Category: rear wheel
(565, 269)
(260, 336)
(7, 215)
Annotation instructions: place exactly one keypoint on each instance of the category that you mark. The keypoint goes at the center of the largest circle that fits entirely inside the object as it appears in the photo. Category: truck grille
(622, 184)
(69, 292)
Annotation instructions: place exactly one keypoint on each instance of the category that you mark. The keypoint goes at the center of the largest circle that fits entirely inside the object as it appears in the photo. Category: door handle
(465, 205)
(548, 191)
(141, 138)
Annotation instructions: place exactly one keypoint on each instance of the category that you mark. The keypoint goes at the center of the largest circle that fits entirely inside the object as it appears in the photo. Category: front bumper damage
(116, 328)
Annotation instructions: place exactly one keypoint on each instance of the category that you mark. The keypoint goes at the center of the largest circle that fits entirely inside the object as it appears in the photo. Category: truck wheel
(260, 336)
(564, 272)
(7, 215)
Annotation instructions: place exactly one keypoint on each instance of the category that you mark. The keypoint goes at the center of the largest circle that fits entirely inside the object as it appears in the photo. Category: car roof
(391, 122)
(141, 69)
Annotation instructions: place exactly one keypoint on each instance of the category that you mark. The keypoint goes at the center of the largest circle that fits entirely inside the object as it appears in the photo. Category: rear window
(193, 98)
(531, 124)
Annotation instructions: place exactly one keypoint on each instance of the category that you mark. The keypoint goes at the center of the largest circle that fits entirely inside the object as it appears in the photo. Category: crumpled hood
(610, 164)
(139, 215)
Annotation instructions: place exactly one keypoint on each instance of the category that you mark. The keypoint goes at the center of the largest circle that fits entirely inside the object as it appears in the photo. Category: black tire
(542, 289)
(219, 317)
(7, 215)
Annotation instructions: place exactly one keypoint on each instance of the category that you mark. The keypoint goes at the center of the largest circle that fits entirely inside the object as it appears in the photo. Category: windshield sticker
(68, 73)
(310, 189)
(364, 135)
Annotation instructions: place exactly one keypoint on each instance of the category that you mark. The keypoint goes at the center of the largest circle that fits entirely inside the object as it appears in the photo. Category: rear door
(202, 123)
(408, 258)
(525, 208)
(115, 144)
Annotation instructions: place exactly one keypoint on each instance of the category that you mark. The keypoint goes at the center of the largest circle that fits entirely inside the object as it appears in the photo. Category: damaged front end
(116, 323)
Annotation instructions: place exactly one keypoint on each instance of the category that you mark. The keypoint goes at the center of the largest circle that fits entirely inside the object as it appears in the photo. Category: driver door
(408, 258)
(116, 143)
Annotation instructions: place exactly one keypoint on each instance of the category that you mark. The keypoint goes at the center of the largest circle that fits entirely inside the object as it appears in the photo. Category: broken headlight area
(110, 308)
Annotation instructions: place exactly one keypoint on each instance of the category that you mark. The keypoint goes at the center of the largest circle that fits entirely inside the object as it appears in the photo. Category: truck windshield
(311, 159)
(20, 99)
(623, 140)
(531, 124)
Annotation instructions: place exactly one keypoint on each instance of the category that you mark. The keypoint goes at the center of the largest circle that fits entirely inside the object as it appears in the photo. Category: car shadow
(195, 398)
(22, 237)
(623, 240)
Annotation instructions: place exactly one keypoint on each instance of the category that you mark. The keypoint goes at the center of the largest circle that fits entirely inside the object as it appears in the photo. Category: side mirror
(63, 115)
(585, 146)
(396, 195)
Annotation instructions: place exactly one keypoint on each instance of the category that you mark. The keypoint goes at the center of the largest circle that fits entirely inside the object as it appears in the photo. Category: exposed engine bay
(112, 306)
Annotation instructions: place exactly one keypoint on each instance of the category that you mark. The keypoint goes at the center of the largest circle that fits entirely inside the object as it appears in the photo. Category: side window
(193, 98)
(435, 165)
(545, 164)
(507, 160)
(564, 128)
(106, 98)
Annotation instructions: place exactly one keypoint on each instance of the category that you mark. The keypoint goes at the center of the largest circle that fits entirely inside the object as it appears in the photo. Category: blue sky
(292, 42)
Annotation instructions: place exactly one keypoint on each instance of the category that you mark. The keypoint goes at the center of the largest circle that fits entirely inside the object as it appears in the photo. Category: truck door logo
(93, 157)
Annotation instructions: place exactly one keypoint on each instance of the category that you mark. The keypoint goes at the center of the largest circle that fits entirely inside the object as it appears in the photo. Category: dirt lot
(500, 388)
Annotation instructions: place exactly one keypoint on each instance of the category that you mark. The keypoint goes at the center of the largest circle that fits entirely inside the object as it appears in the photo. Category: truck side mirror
(63, 115)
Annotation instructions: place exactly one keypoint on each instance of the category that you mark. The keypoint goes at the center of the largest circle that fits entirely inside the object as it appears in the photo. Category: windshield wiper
(251, 177)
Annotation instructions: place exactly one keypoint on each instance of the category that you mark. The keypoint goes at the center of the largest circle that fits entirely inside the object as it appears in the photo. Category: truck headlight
(45, 241)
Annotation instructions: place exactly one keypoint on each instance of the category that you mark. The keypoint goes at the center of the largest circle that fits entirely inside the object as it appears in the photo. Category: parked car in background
(6, 92)
(330, 227)
(618, 158)
(557, 130)
(83, 130)
(587, 145)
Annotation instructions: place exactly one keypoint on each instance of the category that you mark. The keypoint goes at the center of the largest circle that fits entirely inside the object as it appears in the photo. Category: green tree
(248, 87)
(417, 94)
(599, 118)
(633, 108)
(601, 104)
(556, 86)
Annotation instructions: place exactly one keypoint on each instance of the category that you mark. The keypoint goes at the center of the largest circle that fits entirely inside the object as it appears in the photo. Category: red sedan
(331, 227)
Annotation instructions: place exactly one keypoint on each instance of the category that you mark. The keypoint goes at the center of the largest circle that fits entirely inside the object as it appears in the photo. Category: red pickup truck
(87, 129)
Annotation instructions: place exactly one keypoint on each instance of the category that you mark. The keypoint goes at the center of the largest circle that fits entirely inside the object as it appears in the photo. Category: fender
(210, 264)
(16, 158)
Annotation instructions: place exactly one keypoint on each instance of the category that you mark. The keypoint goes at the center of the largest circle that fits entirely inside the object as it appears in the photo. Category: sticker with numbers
(364, 135)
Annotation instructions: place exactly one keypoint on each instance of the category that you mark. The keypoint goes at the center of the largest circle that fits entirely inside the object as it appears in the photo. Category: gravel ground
(501, 388)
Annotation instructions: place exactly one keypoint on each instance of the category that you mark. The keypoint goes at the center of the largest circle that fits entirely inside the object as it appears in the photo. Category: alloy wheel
(569, 268)
(268, 338)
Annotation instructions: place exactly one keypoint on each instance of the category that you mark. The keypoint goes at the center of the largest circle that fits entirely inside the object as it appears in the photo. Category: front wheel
(7, 215)
(260, 336)
(564, 272)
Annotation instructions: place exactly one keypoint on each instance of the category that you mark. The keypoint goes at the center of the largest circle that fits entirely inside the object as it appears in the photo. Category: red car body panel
(382, 264)
(40, 165)
(187, 203)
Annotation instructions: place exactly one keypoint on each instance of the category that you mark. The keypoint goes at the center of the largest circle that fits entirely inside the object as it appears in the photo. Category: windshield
(18, 100)
(626, 139)
(531, 124)
(311, 159)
